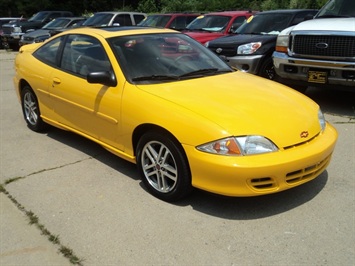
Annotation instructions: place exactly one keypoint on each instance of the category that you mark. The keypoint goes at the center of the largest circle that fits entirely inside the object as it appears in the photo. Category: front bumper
(11, 38)
(265, 173)
(249, 64)
(297, 70)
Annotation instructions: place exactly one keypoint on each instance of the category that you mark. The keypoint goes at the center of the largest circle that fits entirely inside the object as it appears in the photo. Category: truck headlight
(17, 30)
(282, 43)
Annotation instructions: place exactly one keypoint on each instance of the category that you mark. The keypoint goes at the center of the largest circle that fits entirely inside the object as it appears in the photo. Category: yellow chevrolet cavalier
(157, 98)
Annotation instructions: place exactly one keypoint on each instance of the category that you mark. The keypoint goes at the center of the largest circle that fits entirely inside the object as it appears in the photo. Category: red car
(176, 21)
(217, 24)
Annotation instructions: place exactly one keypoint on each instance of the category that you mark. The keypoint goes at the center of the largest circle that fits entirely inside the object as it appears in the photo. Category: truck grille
(7, 30)
(314, 45)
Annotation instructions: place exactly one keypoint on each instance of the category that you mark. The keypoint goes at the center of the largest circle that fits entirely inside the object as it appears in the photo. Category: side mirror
(106, 78)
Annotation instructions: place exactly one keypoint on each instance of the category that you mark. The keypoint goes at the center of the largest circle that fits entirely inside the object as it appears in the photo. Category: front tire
(267, 69)
(163, 166)
(30, 109)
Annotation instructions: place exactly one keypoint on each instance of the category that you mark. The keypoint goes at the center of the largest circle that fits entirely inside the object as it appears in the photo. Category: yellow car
(158, 98)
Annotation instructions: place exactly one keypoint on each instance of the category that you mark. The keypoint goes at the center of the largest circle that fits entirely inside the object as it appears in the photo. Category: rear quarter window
(48, 52)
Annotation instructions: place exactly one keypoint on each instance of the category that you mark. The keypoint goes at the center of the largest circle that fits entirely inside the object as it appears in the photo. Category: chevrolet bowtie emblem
(304, 134)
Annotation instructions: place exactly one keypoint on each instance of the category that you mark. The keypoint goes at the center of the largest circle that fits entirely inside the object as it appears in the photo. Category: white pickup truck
(319, 52)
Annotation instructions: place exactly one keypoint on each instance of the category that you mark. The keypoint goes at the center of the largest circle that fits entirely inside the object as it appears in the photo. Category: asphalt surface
(63, 195)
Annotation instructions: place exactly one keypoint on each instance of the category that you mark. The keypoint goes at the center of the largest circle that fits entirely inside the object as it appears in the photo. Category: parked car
(13, 32)
(319, 52)
(217, 24)
(7, 20)
(50, 29)
(176, 21)
(250, 49)
(113, 18)
(158, 98)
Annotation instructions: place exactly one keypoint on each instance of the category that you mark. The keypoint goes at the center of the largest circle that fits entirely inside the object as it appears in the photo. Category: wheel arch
(144, 128)
(22, 84)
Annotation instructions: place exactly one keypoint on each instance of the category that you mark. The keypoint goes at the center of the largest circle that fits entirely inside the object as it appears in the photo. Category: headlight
(282, 43)
(321, 120)
(41, 38)
(17, 30)
(249, 48)
(239, 146)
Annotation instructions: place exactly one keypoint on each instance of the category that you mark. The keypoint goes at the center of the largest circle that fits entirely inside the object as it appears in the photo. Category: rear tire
(30, 109)
(163, 166)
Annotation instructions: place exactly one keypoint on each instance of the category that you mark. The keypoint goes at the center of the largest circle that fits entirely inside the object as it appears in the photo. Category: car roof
(176, 14)
(71, 18)
(7, 18)
(107, 32)
(118, 12)
(230, 13)
(285, 11)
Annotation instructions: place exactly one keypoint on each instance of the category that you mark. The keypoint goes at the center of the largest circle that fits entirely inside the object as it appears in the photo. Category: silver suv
(111, 18)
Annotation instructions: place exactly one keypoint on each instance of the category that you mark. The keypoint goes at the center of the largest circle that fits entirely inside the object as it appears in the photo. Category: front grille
(7, 30)
(229, 52)
(262, 183)
(306, 45)
(308, 172)
(29, 39)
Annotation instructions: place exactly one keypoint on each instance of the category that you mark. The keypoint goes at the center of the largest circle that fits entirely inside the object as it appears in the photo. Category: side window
(178, 23)
(301, 17)
(237, 22)
(123, 20)
(54, 15)
(84, 54)
(48, 52)
(138, 18)
(189, 19)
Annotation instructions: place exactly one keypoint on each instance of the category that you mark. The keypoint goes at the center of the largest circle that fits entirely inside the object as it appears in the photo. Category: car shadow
(233, 208)
(333, 101)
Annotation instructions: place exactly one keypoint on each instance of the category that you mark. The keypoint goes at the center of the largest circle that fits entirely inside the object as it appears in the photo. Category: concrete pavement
(94, 203)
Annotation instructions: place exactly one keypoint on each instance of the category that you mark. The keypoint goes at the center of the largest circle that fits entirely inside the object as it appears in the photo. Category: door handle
(56, 81)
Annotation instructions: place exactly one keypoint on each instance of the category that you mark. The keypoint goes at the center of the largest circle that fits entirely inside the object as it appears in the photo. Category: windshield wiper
(156, 77)
(203, 72)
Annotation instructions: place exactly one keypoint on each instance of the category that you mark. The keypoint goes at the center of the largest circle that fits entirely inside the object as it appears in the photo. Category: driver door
(92, 110)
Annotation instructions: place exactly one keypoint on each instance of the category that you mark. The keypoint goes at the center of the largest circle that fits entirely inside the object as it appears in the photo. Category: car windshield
(56, 24)
(272, 23)
(98, 20)
(39, 16)
(152, 58)
(155, 21)
(337, 8)
(212, 23)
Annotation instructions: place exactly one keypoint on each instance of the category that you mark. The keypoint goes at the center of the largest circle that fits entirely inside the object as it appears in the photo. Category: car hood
(37, 33)
(243, 104)
(233, 41)
(204, 36)
(326, 24)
